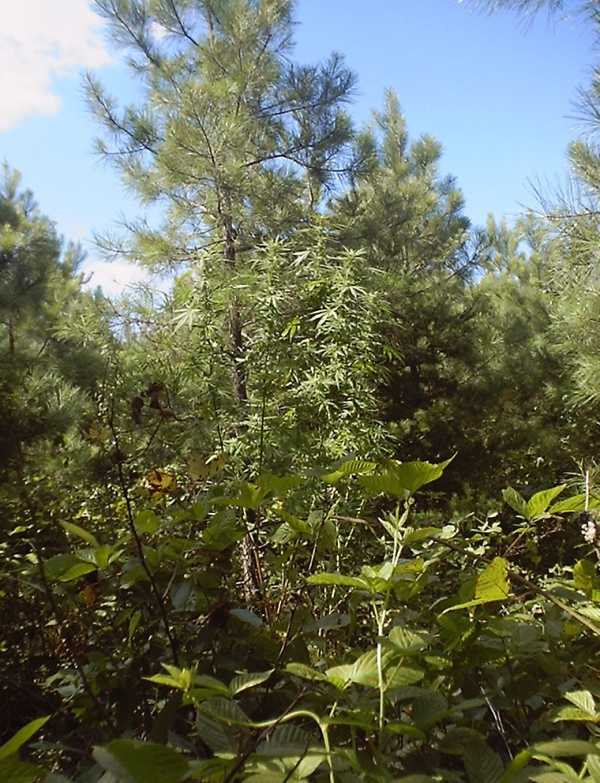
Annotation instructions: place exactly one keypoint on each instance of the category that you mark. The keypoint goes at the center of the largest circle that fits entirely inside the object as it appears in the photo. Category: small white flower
(589, 531)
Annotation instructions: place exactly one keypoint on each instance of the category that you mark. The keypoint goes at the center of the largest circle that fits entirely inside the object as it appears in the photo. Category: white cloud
(117, 277)
(40, 41)
(114, 277)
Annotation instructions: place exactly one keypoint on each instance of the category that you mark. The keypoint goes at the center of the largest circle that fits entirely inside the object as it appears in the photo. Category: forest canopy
(327, 509)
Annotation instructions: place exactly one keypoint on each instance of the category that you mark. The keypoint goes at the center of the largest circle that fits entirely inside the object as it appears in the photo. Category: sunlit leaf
(85, 535)
(22, 736)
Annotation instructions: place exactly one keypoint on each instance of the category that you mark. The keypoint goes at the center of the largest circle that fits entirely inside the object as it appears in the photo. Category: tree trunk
(251, 568)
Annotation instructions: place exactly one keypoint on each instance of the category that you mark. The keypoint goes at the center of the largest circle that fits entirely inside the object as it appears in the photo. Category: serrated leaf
(75, 530)
(142, 761)
(24, 734)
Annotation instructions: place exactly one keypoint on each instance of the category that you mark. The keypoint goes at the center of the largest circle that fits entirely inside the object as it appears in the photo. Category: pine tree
(238, 143)
(42, 374)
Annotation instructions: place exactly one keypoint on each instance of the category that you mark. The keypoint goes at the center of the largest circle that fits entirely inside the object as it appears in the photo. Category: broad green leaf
(575, 503)
(214, 734)
(513, 499)
(305, 672)
(364, 670)
(75, 530)
(564, 748)
(14, 771)
(593, 765)
(516, 765)
(350, 468)
(21, 737)
(340, 676)
(419, 534)
(226, 711)
(246, 616)
(406, 641)
(104, 554)
(57, 565)
(285, 740)
(414, 779)
(279, 485)
(77, 571)
(329, 622)
(582, 699)
(405, 730)
(400, 676)
(587, 579)
(429, 708)
(213, 770)
(248, 680)
(134, 621)
(338, 579)
(414, 475)
(574, 714)
(492, 584)
(538, 503)
(147, 522)
(482, 764)
(142, 762)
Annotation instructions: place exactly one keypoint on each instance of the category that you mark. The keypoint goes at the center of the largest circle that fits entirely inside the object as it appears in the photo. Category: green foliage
(225, 554)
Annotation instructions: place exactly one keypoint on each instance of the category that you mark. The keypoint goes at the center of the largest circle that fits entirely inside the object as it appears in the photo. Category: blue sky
(496, 92)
